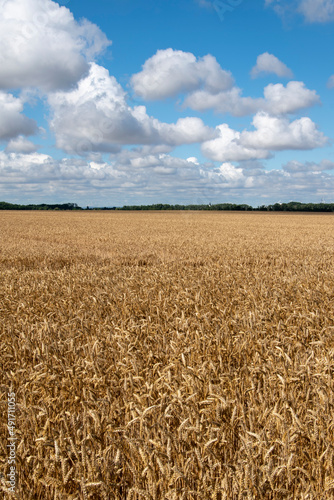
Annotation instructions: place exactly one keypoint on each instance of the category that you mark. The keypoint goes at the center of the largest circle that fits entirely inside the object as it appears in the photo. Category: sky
(120, 102)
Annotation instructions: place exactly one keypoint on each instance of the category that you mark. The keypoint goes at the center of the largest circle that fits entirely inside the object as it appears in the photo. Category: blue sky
(192, 101)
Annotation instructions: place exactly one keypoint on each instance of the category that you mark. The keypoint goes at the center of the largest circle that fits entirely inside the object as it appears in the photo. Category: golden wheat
(168, 355)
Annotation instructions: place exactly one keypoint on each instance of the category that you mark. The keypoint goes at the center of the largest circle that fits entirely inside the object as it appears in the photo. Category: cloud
(277, 100)
(130, 169)
(96, 117)
(313, 11)
(317, 11)
(21, 145)
(193, 159)
(41, 45)
(207, 86)
(296, 167)
(330, 83)
(228, 147)
(271, 134)
(171, 72)
(230, 101)
(134, 175)
(131, 174)
(290, 99)
(267, 63)
(230, 173)
(12, 121)
(278, 134)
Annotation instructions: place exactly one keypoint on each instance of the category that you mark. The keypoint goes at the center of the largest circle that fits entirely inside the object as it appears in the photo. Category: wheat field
(168, 355)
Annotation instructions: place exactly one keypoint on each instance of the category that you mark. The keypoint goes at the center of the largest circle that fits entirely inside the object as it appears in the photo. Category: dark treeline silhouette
(65, 206)
(292, 206)
(296, 206)
(162, 206)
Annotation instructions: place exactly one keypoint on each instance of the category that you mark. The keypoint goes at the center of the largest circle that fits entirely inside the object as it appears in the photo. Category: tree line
(293, 206)
(64, 206)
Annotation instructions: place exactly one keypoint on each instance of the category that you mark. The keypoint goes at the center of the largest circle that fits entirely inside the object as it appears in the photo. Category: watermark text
(11, 446)
(222, 7)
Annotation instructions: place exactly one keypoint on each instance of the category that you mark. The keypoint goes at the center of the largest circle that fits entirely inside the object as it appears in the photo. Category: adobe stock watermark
(11, 446)
(222, 7)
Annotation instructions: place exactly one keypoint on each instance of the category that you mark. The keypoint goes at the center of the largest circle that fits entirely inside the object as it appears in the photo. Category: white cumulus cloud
(12, 121)
(268, 63)
(271, 134)
(170, 72)
(228, 147)
(277, 134)
(277, 99)
(95, 116)
(290, 99)
(42, 45)
(207, 86)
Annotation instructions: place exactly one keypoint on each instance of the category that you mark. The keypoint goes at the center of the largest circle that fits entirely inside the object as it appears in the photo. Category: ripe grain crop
(168, 355)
